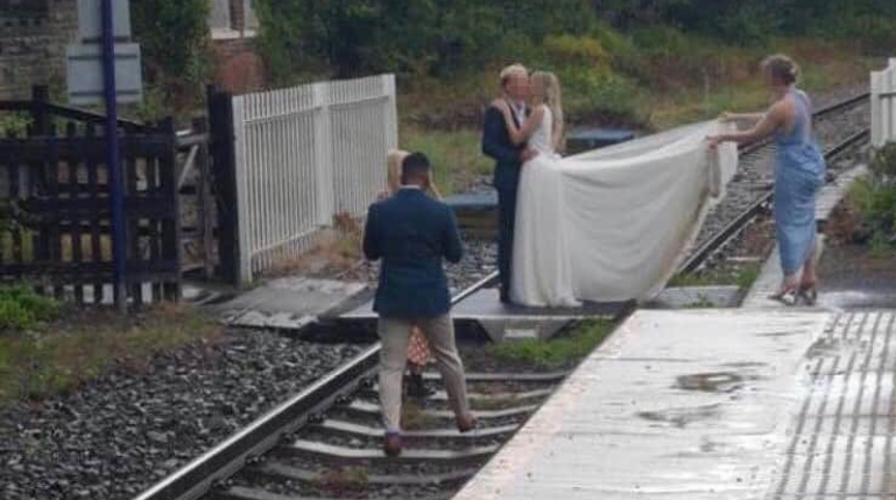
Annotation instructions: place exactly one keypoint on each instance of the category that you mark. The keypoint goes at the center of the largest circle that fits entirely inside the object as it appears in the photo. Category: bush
(573, 50)
(883, 166)
(13, 124)
(23, 309)
(174, 38)
(587, 90)
(875, 196)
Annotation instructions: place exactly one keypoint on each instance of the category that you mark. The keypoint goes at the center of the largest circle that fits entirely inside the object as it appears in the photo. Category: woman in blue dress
(799, 174)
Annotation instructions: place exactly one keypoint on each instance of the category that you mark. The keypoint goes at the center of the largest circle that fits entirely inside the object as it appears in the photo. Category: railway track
(325, 442)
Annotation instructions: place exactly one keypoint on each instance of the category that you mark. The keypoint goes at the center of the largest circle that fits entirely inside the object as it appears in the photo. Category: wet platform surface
(736, 404)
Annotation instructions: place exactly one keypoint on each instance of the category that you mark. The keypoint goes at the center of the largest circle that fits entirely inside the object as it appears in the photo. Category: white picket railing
(883, 105)
(304, 155)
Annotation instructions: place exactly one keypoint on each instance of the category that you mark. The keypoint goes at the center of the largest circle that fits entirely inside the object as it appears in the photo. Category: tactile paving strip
(842, 441)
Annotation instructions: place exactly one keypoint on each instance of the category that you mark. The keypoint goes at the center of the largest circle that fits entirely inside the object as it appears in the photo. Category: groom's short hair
(414, 166)
(512, 71)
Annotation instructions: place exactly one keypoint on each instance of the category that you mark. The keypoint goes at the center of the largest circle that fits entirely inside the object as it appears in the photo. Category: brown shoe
(392, 444)
(466, 423)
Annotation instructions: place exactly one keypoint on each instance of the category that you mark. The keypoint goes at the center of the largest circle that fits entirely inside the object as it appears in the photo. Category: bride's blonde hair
(553, 95)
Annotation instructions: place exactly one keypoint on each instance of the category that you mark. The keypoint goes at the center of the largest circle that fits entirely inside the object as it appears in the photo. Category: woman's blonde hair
(393, 173)
(781, 68)
(553, 96)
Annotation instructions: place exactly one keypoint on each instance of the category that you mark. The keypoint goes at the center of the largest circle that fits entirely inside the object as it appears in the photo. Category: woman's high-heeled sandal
(787, 297)
(809, 294)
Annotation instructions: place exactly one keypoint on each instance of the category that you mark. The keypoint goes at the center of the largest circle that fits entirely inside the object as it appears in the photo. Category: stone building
(33, 38)
(34, 35)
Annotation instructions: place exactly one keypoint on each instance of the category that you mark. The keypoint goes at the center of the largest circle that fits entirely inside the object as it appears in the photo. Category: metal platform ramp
(498, 321)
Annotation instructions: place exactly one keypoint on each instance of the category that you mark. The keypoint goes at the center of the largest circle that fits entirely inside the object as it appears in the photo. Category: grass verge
(81, 345)
(558, 352)
(742, 277)
(455, 155)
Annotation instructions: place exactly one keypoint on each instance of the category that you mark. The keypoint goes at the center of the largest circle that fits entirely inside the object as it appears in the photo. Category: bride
(541, 274)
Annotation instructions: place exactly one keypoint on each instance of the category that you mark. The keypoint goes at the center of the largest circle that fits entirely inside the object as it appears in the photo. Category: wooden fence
(55, 191)
(300, 157)
(883, 105)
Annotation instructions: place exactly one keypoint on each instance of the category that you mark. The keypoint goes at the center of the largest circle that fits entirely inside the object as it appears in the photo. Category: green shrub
(883, 166)
(588, 90)
(575, 50)
(13, 124)
(879, 193)
(175, 40)
(21, 308)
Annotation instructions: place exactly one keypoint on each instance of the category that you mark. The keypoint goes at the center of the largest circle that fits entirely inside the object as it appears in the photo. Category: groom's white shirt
(519, 110)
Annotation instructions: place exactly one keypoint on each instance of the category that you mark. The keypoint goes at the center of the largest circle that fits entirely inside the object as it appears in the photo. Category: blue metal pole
(116, 184)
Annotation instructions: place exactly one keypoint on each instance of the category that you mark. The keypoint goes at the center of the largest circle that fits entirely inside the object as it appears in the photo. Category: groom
(509, 160)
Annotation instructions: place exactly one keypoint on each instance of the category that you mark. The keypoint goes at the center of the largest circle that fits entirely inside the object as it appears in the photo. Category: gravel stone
(113, 438)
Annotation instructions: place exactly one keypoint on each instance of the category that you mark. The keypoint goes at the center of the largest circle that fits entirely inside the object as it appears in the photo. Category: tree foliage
(174, 39)
(433, 36)
(441, 37)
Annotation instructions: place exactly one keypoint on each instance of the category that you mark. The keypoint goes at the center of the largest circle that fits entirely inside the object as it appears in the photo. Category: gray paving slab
(675, 405)
(287, 303)
(770, 276)
(769, 280)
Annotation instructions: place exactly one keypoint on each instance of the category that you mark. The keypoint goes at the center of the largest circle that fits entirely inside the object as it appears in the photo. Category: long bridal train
(613, 224)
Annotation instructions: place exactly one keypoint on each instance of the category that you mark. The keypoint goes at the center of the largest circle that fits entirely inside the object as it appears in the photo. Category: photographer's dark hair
(414, 167)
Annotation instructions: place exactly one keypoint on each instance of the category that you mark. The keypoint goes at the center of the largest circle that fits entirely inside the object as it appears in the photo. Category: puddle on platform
(682, 417)
(721, 382)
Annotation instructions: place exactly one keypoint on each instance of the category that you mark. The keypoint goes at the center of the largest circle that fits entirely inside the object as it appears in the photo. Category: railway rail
(324, 442)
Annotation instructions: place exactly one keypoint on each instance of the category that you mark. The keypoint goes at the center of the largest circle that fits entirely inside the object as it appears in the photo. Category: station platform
(718, 404)
(484, 311)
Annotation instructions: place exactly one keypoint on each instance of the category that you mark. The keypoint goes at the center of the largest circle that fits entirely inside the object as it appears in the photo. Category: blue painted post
(116, 184)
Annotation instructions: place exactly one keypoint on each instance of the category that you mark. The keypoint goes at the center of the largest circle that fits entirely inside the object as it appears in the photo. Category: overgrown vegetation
(743, 277)
(52, 350)
(562, 351)
(22, 309)
(874, 202)
(174, 39)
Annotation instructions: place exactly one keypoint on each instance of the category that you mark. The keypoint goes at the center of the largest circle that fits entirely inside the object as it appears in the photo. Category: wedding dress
(613, 224)
(541, 274)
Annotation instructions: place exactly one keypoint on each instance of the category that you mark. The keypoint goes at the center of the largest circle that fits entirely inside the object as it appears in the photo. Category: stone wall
(33, 43)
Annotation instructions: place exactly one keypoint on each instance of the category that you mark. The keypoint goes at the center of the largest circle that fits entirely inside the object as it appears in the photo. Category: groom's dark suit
(496, 144)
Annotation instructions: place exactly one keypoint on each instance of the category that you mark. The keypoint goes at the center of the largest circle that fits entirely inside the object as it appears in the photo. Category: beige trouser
(394, 334)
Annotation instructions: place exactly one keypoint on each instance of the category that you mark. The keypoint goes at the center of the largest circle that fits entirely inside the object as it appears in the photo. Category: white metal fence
(304, 155)
(883, 105)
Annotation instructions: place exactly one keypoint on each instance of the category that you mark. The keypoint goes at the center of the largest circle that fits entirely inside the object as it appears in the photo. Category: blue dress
(799, 174)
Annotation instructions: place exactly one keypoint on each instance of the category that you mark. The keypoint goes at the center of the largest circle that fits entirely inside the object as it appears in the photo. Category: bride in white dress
(541, 274)
(613, 224)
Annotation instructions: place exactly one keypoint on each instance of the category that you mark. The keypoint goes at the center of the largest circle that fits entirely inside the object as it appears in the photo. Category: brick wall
(239, 69)
(33, 42)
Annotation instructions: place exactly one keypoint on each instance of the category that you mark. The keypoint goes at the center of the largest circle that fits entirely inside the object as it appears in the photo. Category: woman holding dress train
(799, 174)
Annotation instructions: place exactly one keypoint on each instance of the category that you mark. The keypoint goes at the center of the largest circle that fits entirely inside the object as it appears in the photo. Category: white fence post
(245, 270)
(883, 105)
(324, 153)
(302, 155)
(391, 114)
